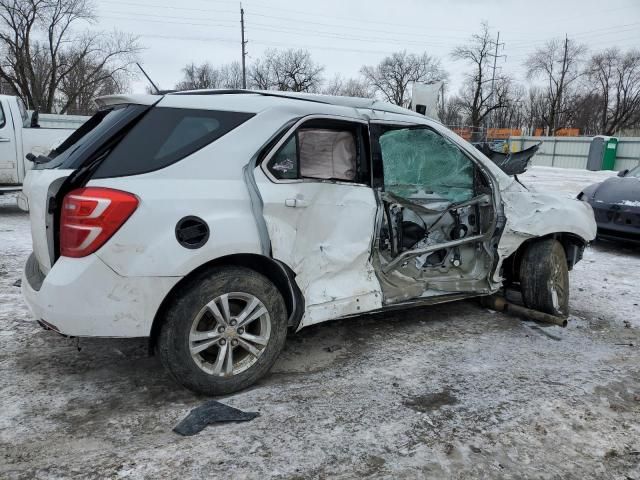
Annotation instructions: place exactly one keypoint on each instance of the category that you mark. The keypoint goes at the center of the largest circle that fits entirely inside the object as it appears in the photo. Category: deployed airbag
(328, 154)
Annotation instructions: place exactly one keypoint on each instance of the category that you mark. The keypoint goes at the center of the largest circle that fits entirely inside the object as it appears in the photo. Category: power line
(269, 44)
(146, 5)
(292, 30)
(598, 12)
(172, 18)
(298, 32)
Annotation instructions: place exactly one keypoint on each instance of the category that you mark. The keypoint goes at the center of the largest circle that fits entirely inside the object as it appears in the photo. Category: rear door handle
(295, 203)
(2, 139)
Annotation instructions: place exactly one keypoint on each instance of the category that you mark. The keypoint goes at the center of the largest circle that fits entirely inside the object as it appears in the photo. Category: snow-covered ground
(448, 391)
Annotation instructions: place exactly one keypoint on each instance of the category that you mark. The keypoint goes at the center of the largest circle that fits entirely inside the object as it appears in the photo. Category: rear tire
(544, 278)
(210, 341)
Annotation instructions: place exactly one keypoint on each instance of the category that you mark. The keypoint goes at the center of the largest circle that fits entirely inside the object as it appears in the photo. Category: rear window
(90, 136)
(165, 135)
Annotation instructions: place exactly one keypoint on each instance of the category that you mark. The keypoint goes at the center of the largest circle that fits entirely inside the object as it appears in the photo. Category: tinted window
(91, 135)
(165, 135)
(284, 164)
(2, 119)
(419, 163)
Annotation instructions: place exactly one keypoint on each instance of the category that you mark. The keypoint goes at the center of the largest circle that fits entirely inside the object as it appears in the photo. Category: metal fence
(52, 120)
(572, 152)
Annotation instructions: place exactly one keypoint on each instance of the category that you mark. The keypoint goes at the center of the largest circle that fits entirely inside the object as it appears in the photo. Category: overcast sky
(343, 35)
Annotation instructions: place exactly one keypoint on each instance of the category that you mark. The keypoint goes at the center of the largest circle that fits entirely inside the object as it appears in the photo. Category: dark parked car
(616, 206)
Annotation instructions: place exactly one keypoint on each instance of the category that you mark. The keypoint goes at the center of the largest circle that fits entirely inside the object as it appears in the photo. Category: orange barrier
(561, 132)
(503, 133)
(463, 132)
(492, 133)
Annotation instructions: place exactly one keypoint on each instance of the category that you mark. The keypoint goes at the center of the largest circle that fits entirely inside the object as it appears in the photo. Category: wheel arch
(573, 245)
(277, 272)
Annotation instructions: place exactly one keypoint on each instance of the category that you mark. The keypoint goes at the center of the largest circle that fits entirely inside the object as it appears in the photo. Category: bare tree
(615, 77)
(477, 103)
(286, 70)
(393, 75)
(40, 48)
(231, 74)
(86, 82)
(585, 111)
(476, 95)
(349, 87)
(196, 77)
(558, 64)
(450, 111)
(535, 107)
(261, 76)
(512, 96)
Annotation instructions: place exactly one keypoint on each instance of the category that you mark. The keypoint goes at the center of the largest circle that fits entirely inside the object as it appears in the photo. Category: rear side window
(323, 154)
(164, 136)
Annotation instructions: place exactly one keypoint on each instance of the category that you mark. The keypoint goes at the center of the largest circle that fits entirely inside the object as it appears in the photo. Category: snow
(567, 182)
(448, 391)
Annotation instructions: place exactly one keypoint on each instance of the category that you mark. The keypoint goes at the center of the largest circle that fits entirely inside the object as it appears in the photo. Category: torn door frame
(469, 287)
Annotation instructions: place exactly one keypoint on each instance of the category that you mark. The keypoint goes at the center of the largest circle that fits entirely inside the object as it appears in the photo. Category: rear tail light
(90, 217)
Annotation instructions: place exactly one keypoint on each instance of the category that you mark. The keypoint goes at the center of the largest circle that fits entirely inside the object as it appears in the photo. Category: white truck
(23, 132)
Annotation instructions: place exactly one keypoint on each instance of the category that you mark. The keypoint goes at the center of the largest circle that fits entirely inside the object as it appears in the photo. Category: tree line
(54, 61)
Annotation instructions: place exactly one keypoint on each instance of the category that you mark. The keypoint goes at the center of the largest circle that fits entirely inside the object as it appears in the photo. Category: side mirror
(35, 116)
(623, 173)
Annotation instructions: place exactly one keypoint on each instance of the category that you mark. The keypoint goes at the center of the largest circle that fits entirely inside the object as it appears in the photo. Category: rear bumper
(83, 297)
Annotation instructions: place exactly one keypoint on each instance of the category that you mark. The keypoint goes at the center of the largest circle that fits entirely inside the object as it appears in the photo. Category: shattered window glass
(419, 163)
(284, 164)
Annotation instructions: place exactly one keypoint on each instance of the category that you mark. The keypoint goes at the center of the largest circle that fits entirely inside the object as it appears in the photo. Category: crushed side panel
(529, 215)
(327, 243)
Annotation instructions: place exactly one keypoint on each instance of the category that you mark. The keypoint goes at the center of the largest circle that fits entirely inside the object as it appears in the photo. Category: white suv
(214, 221)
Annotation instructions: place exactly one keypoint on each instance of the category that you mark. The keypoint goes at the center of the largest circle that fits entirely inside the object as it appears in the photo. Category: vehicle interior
(437, 220)
(437, 216)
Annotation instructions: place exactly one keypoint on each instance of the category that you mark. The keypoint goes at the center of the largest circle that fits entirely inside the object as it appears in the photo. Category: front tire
(544, 278)
(224, 332)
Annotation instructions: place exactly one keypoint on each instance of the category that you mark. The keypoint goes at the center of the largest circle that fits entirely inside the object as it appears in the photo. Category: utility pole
(560, 92)
(244, 52)
(493, 81)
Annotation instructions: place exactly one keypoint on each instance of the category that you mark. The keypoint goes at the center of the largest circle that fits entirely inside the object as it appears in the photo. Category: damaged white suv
(215, 221)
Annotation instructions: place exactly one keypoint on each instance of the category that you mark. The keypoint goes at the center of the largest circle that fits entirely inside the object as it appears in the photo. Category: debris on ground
(209, 413)
(333, 348)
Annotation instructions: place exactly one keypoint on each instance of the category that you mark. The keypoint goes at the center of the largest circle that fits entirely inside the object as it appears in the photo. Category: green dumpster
(609, 157)
(602, 153)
